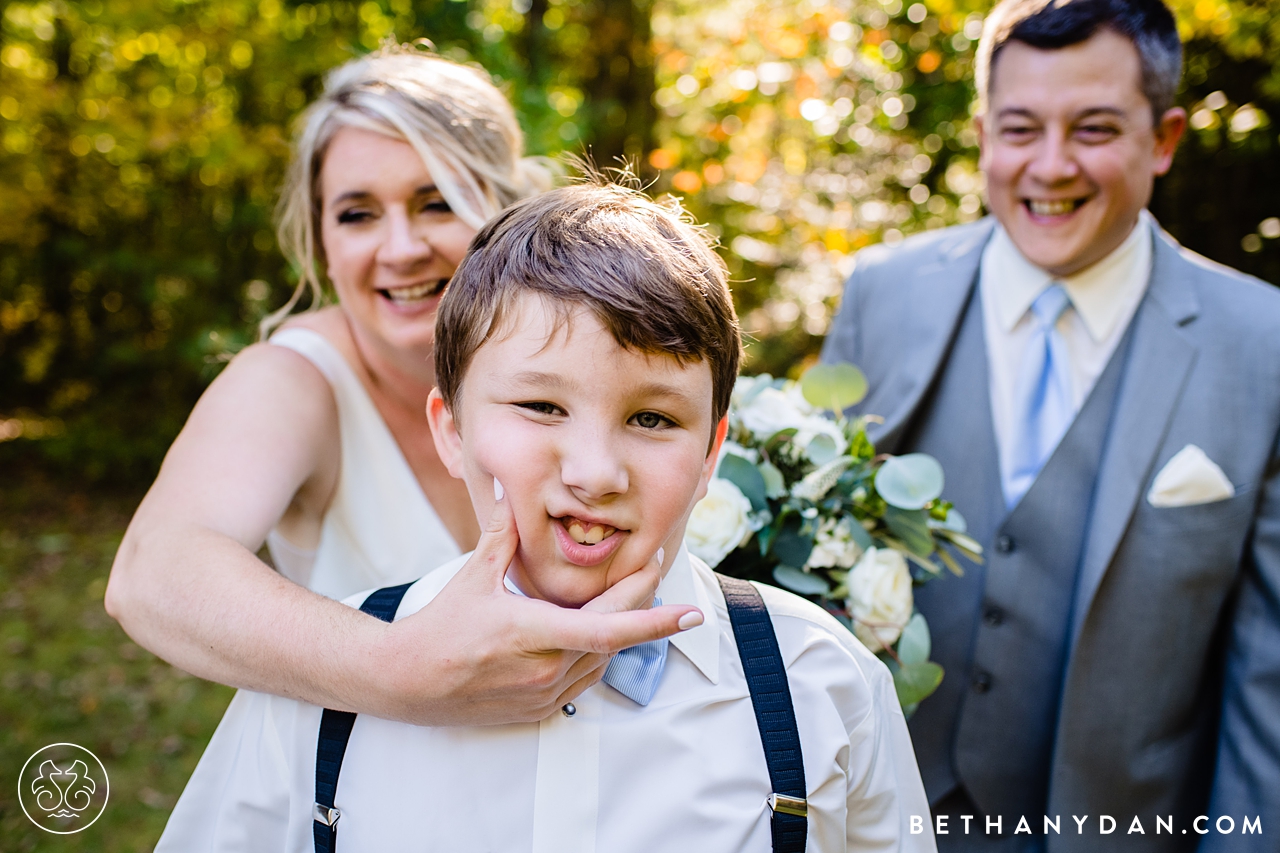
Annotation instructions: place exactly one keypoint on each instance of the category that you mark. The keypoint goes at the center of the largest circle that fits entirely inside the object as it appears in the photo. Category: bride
(316, 444)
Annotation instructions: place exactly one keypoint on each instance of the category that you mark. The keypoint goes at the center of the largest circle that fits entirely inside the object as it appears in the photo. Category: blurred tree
(803, 130)
(142, 143)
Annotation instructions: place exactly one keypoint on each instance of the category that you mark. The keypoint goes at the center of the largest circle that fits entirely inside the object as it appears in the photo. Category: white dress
(379, 530)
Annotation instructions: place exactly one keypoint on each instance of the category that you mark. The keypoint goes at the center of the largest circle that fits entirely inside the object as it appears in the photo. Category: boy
(585, 354)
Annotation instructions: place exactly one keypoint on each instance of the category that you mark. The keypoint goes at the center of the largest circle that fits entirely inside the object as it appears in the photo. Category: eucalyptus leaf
(802, 582)
(822, 449)
(775, 486)
(915, 644)
(835, 387)
(910, 481)
(912, 528)
(859, 535)
(747, 477)
(913, 682)
(791, 546)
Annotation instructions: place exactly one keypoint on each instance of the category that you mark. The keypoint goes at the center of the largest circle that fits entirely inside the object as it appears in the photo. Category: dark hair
(1052, 24)
(642, 268)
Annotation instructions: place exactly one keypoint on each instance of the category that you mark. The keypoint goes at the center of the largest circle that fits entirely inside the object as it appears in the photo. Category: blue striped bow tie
(635, 672)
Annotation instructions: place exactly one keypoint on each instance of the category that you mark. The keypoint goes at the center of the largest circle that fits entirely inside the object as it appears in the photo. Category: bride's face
(390, 239)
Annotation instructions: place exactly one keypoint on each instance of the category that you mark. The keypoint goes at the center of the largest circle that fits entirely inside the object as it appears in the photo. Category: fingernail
(692, 619)
(661, 554)
(498, 491)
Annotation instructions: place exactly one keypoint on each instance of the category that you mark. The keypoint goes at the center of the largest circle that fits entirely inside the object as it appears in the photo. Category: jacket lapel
(1161, 356)
(931, 309)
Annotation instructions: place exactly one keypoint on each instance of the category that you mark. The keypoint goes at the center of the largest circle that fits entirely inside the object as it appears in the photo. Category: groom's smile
(1070, 150)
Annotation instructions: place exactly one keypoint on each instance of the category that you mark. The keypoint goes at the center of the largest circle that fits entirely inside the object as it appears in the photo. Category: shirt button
(993, 616)
(568, 710)
(981, 682)
(1004, 544)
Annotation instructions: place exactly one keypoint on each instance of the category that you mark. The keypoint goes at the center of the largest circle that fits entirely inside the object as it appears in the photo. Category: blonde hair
(457, 121)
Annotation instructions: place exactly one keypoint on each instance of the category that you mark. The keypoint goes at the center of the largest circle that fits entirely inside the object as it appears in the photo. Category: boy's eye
(651, 420)
(542, 408)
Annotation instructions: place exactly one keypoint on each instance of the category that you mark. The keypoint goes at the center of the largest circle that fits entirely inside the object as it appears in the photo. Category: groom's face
(1070, 150)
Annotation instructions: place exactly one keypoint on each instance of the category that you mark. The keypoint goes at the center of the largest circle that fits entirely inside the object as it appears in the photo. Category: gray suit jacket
(1171, 697)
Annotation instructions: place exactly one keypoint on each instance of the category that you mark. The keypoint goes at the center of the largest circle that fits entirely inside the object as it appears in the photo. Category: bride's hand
(479, 655)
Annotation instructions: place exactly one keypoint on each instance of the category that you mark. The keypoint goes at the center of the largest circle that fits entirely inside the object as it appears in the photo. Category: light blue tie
(1042, 395)
(635, 672)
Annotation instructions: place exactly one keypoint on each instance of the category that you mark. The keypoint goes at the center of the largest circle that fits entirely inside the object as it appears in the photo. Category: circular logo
(63, 788)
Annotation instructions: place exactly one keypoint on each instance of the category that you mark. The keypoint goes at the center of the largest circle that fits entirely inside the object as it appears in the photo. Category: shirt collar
(683, 584)
(1099, 293)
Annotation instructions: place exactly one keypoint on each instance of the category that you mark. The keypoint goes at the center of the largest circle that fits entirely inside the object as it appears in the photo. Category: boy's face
(602, 451)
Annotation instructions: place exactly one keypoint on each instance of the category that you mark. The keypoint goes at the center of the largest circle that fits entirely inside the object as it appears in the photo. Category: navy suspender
(775, 715)
(770, 696)
(335, 731)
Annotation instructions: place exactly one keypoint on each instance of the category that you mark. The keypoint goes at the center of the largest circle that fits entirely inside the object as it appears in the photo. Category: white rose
(833, 546)
(720, 522)
(770, 411)
(880, 598)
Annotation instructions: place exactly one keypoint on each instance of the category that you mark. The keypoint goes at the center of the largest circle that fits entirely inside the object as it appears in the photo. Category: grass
(69, 673)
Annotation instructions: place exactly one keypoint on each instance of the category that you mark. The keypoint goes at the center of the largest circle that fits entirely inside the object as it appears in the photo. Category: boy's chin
(559, 587)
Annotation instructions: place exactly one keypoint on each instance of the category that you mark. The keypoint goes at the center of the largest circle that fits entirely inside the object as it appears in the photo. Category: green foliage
(142, 144)
(71, 675)
(911, 482)
(834, 387)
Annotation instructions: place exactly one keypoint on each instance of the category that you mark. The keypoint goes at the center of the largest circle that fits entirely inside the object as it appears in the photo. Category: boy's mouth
(586, 532)
(416, 292)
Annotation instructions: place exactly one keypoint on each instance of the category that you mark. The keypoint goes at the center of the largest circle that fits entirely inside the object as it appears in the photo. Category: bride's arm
(186, 584)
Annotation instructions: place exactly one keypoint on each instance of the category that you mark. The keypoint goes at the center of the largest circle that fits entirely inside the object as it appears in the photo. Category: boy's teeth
(1051, 208)
(592, 535)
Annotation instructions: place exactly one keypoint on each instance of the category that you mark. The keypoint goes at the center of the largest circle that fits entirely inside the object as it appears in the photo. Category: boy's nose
(591, 466)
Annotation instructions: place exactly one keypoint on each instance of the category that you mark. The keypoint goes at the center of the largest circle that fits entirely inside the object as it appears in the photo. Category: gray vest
(1001, 631)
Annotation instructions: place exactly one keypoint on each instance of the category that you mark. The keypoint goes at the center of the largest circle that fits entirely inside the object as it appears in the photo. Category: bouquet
(802, 500)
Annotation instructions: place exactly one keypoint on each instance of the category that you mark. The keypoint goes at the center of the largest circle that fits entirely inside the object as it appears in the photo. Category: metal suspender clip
(797, 806)
(326, 814)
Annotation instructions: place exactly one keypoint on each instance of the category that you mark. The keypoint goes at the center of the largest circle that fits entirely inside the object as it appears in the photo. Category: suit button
(993, 616)
(981, 682)
(1004, 544)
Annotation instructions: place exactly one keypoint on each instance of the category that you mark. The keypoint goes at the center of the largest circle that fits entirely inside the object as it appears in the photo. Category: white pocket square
(1190, 478)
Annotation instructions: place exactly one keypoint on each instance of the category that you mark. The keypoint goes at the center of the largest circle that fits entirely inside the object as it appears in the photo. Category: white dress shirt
(686, 772)
(1104, 298)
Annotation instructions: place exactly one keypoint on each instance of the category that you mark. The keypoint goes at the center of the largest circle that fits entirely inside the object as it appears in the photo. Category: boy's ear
(444, 432)
(709, 466)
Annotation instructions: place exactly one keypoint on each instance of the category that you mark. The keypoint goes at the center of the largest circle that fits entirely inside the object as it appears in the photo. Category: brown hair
(642, 268)
(1055, 24)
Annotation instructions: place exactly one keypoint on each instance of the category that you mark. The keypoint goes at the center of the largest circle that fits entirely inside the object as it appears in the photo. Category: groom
(1106, 405)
